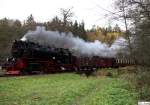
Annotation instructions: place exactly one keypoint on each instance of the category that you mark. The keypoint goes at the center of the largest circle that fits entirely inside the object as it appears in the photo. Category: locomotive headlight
(62, 68)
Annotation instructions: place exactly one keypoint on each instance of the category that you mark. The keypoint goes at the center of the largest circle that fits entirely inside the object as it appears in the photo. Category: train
(31, 58)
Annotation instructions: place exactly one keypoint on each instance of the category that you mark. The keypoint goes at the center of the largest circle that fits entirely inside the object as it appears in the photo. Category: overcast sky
(43, 10)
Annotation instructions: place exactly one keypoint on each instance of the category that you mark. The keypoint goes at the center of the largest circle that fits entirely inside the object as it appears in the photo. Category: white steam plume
(75, 44)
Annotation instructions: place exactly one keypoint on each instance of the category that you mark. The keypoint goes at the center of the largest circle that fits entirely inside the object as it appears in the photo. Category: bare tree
(137, 34)
(123, 7)
(67, 14)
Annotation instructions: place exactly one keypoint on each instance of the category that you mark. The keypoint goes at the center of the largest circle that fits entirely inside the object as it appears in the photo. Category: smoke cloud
(76, 45)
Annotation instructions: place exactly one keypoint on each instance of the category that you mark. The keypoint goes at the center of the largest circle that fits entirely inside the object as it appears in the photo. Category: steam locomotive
(31, 58)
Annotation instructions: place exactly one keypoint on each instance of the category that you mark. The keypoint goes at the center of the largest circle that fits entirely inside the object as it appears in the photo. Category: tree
(75, 28)
(66, 14)
(82, 31)
(109, 28)
(30, 23)
(9, 31)
(123, 6)
(138, 12)
(17, 24)
(116, 28)
(56, 24)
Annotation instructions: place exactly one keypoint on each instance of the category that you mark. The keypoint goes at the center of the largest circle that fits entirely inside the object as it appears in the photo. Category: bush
(107, 72)
(145, 93)
(140, 80)
(143, 84)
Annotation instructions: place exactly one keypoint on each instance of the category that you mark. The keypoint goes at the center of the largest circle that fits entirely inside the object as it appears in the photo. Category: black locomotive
(30, 58)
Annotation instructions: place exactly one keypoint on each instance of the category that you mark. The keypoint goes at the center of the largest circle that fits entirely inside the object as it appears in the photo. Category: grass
(65, 89)
(112, 92)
